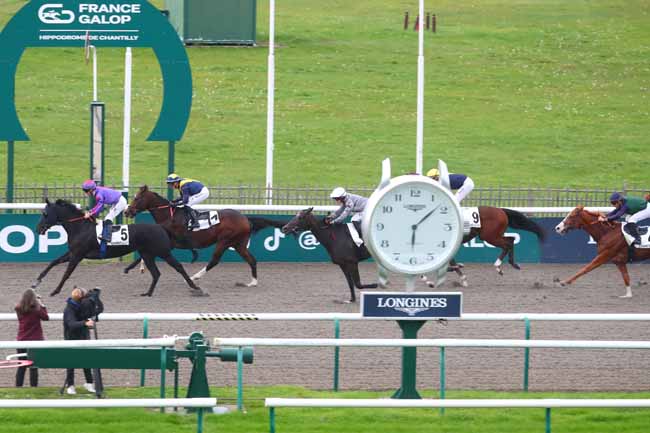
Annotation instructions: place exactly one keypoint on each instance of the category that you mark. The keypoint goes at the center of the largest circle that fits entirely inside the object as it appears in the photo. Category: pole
(126, 149)
(420, 97)
(270, 105)
(171, 150)
(92, 47)
(10, 172)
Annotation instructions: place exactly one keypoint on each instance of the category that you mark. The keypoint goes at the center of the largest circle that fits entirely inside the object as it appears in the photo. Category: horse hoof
(54, 293)
(500, 272)
(625, 296)
(146, 294)
(516, 266)
(126, 271)
(199, 293)
(35, 284)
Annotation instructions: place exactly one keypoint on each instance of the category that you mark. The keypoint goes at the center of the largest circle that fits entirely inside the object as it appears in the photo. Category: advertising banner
(19, 242)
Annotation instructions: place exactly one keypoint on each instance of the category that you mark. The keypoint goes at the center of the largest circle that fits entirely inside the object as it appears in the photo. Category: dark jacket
(29, 324)
(74, 327)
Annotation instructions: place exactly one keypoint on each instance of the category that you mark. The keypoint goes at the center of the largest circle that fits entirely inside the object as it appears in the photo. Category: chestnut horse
(494, 222)
(611, 244)
(233, 230)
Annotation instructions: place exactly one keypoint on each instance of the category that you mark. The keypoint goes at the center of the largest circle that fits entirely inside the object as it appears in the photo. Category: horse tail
(518, 220)
(259, 223)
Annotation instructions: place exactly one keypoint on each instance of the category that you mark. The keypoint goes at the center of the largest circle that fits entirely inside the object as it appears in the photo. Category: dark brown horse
(336, 239)
(234, 230)
(494, 222)
(611, 244)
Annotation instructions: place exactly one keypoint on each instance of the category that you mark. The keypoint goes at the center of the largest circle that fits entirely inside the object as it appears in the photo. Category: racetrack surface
(292, 287)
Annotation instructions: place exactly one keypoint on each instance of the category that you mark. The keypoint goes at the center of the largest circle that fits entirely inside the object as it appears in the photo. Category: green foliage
(256, 419)
(518, 93)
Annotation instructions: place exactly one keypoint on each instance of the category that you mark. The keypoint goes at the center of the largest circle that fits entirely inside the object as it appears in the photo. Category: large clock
(413, 225)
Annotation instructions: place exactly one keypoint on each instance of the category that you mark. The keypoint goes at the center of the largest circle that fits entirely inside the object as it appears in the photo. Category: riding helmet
(338, 192)
(433, 172)
(173, 178)
(89, 185)
(617, 196)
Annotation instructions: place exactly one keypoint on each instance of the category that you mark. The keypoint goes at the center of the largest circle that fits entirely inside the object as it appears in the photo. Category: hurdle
(547, 404)
(200, 404)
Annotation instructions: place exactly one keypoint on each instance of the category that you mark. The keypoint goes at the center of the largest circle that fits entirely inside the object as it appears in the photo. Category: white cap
(338, 192)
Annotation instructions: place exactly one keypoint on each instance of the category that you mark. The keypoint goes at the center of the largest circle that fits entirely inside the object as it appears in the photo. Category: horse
(149, 240)
(233, 230)
(610, 242)
(338, 242)
(494, 222)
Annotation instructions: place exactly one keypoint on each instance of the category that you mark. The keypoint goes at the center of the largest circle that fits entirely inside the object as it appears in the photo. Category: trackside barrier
(337, 317)
(441, 343)
(547, 404)
(199, 403)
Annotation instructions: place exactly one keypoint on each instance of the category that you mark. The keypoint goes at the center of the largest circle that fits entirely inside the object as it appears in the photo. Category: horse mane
(146, 188)
(69, 206)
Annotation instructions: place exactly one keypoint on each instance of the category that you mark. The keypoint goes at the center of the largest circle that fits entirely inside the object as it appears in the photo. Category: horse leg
(600, 259)
(356, 278)
(133, 264)
(150, 262)
(511, 252)
(73, 261)
(348, 276)
(64, 258)
(245, 254)
(382, 276)
(171, 261)
(503, 244)
(214, 261)
(622, 267)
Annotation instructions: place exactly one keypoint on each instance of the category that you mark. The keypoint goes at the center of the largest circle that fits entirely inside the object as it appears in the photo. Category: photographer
(30, 312)
(77, 322)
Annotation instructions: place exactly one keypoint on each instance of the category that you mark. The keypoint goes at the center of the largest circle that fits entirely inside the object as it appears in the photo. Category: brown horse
(494, 222)
(611, 244)
(234, 230)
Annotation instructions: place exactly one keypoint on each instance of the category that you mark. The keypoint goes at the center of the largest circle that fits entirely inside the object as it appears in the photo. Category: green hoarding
(19, 242)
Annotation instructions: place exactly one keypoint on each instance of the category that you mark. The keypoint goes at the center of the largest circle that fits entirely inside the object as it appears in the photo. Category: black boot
(107, 230)
(633, 230)
(191, 217)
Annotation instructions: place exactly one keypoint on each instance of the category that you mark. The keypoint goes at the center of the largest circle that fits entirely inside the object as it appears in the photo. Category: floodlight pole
(420, 97)
(269, 105)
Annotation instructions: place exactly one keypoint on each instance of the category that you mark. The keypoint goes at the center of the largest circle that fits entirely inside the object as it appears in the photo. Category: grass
(518, 93)
(289, 420)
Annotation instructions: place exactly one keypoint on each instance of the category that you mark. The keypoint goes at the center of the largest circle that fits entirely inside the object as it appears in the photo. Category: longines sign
(105, 23)
(412, 305)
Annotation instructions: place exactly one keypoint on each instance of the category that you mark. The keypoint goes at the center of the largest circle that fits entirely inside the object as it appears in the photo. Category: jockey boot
(633, 230)
(191, 217)
(107, 230)
(357, 225)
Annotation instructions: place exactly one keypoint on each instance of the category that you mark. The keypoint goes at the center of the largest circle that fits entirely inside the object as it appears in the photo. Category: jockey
(460, 182)
(104, 196)
(349, 204)
(636, 207)
(192, 192)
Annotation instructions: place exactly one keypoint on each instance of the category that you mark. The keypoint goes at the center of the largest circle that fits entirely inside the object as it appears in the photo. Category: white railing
(113, 402)
(296, 208)
(545, 403)
(57, 344)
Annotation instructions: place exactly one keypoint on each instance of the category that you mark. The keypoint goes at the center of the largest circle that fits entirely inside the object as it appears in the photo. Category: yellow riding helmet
(433, 172)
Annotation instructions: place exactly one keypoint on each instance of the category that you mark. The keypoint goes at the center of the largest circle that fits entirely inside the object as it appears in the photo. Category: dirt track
(313, 288)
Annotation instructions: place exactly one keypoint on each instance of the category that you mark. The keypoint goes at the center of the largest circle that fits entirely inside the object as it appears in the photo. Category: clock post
(412, 226)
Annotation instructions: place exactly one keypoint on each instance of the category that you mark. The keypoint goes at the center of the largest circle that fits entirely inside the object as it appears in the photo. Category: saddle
(644, 232)
(205, 220)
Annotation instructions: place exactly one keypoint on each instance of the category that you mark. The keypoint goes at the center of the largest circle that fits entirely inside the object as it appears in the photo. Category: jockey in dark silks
(462, 183)
(636, 207)
(192, 192)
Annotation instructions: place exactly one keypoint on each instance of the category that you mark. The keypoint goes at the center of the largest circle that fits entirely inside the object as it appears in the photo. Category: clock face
(415, 226)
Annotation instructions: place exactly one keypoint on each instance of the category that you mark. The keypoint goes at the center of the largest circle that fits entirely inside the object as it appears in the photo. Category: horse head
(576, 219)
(299, 223)
(56, 213)
(145, 199)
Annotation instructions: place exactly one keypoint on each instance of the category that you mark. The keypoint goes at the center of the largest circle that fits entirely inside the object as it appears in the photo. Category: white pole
(126, 149)
(420, 102)
(269, 105)
(92, 47)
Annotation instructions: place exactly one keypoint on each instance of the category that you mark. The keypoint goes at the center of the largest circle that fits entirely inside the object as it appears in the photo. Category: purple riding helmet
(89, 185)
(616, 197)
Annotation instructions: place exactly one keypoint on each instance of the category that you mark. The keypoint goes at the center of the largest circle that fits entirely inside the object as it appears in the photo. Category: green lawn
(518, 93)
(289, 420)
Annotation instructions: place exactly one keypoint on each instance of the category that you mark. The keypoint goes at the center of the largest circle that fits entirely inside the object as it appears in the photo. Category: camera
(91, 305)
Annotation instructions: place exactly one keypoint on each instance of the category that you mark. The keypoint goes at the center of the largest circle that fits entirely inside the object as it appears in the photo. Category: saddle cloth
(645, 236)
(119, 234)
(207, 220)
(355, 234)
(471, 219)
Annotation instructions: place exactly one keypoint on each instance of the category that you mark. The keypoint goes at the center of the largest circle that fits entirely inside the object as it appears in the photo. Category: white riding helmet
(338, 192)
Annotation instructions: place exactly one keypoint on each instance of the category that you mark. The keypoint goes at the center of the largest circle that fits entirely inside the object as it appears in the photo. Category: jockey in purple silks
(104, 197)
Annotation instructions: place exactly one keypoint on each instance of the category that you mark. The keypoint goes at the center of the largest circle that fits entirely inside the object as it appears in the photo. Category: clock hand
(426, 216)
(413, 236)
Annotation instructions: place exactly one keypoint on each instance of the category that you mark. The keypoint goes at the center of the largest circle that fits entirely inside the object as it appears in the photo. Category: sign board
(412, 305)
(105, 23)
